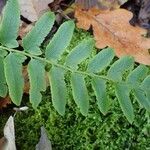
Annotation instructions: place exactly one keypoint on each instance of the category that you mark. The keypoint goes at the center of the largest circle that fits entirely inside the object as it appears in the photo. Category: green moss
(76, 132)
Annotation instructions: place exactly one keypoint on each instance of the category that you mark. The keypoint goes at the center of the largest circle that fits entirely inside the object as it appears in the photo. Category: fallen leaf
(33, 9)
(44, 143)
(9, 134)
(112, 28)
(4, 102)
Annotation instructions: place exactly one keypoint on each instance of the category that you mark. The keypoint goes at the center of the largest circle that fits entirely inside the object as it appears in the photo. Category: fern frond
(122, 74)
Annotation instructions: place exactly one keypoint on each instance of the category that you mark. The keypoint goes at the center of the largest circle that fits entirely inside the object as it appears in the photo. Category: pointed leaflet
(142, 98)
(36, 36)
(58, 89)
(14, 78)
(122, 93)
(10, 24)
(60, 41)
(3, 84)
(36, 71)
(80, 53)
(137, 75)
(101, 60)
(117, 70)
(135, 78)
(99, 86)
(80, 93)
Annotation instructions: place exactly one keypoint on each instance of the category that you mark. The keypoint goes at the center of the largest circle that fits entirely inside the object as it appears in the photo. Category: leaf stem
(53, 63)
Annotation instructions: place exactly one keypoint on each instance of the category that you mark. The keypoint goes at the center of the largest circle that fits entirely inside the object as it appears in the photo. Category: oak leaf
(112, 28)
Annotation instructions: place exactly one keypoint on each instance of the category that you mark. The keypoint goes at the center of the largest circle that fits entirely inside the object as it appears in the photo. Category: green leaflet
(10, 24)
(36, 71)
(101, 60)
(122, 93)
(60, 41)
(58, 89)
(122, 65)
(14, 77)
(3, 53)
(135, 78)
(79, 53)
(80, 93)
(3, 84)
(99, 86)
(36, 36)
(146, 83)
(142, 99)
(137, 75)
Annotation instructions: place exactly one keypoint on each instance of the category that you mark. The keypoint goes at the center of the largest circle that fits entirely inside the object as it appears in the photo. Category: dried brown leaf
(112, 28)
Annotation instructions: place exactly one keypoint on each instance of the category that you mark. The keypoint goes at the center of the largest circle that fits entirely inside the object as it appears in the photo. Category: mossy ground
(76, 132)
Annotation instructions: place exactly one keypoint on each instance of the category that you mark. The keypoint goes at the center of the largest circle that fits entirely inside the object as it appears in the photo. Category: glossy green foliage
(77, 69)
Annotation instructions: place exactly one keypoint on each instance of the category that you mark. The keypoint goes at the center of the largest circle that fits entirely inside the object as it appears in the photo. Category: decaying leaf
(44, 143)
(4, 102)
(112, 28)
(33, 9)
(9, 134)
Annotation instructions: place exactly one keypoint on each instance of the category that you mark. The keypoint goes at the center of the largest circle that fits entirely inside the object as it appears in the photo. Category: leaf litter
(112, 28)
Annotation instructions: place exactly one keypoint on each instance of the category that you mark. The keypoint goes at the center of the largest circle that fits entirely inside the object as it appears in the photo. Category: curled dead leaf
(112, 28)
